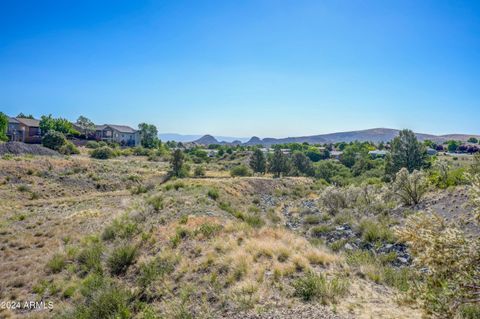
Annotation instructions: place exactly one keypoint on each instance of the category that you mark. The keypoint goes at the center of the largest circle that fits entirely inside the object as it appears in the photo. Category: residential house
(121, 134)
(24, 130)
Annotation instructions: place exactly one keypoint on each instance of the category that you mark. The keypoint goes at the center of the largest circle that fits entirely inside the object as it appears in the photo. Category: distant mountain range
(372, 135)
(190, 138)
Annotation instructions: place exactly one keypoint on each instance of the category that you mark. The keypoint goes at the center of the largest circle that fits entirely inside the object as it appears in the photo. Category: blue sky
(252, 67)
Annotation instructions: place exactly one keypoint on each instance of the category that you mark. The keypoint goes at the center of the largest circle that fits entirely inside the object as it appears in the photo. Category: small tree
(406, 151)
(410, 187)
(149, 135)
(240, 170)
(86, 124)
(177, 163)
(3, 127)
(258, 163)
(452, 146)
(53, 140)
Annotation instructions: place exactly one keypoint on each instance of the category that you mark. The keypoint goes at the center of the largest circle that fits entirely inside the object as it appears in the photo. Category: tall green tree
(177, 163)
(278, 163)
(49, 123)
(406, 151)
(302, 164)
(452, 146)
(258, 162)
(3, 127)
(149, 135)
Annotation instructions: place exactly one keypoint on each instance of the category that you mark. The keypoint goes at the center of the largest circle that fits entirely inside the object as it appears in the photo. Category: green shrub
(208, 229)
(312, 219)
(53, 140)
(90, 257)
(313, 286)
(240, 170)
(156, 268)
(213, 193)
(373, 232)
(92, 145)
(156, 202)
(123, 228)
(199, 171)
(121, 258)
(318, 231)
(68, 149)
(103, 152)
(107, 303)
(56, 264)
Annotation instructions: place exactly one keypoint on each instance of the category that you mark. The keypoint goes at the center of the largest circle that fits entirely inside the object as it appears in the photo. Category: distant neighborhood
(28, 130)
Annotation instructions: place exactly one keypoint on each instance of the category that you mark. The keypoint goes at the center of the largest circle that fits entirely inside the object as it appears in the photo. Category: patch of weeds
(183, 219)
(23, 188)
(156, 202)
(373, 232)
(180, 234)
(123, 228)
(312, 219)
(121, 258)
(319, 231)
(338, 244)
(154, 269)
(213, 193)
(313, 286)
(141, 189)
(208, 230)
(56, 264)
(90, 257)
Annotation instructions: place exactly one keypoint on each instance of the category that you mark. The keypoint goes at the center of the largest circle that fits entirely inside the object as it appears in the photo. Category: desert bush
(109, 301)
(90, 256)
(452, 260)
(318, 231)
(53, 140)
(121, 258)
(154, 269)
(199, 171)
(92, 145)
(334, 199)
(475, 194)
(156, 202)
(373, 231)
(68, 149)
(410, 187)
(123, 227)
(213, 193)
(312, 219)
(240, 170)
(56, 264)
(313, 286)
(103, 152)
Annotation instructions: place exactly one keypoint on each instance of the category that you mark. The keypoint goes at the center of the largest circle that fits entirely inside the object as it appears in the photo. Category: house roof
(13, 120)
(29, 122)
(120, 128)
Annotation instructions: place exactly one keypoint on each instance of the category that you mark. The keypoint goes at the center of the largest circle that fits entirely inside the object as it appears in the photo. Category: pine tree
(258, 162)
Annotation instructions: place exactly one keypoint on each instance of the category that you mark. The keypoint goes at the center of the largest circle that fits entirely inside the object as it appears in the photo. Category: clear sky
(245, 67)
